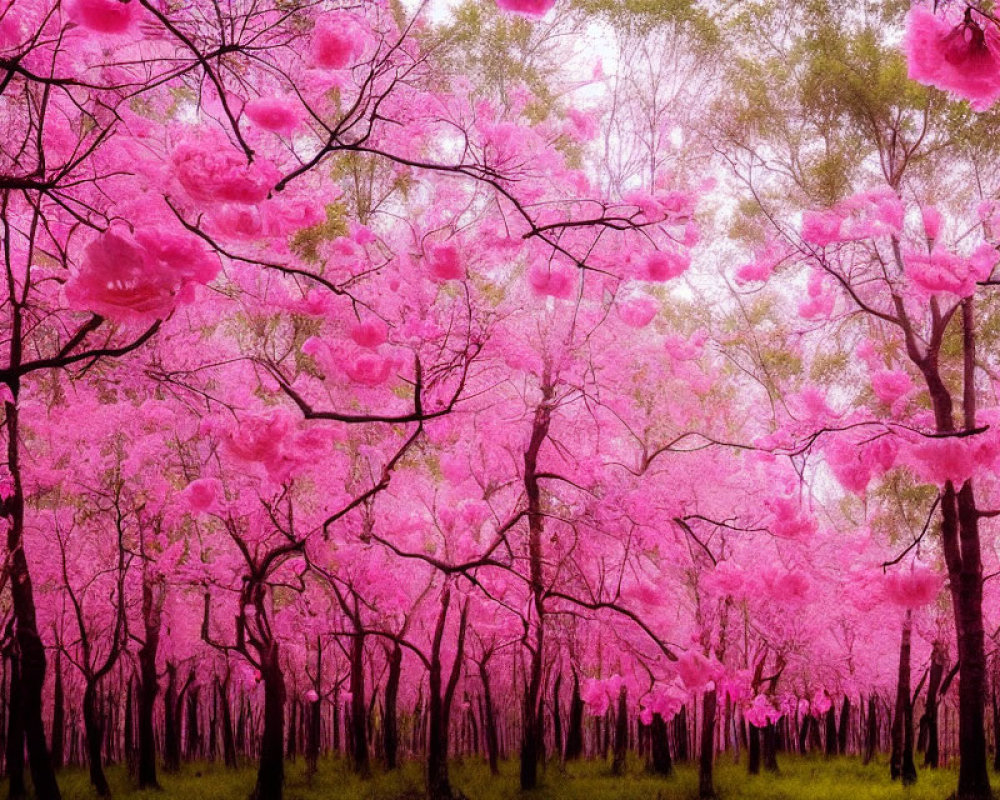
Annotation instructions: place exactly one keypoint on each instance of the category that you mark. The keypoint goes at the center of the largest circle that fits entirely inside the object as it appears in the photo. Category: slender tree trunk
(660, 746)
(228, 736)
(14, 755)
(193, 746)
(845, 726)
(58, 715)
(621, 734)
(171, 724)
(149, 687)
(94, 730)
(901, 764)
(439, 705)
(831, 730)
(574, 735)
(706, 783)
(359, 727)
(557, 733)
(682, 736)
(390, 729)
(963, 557)
(531, 733)
(930, 718)
(271, 770)
(29, 644)
(996, 729)
(753, 751)
(871, 740)
(489, 720)
(769, 748)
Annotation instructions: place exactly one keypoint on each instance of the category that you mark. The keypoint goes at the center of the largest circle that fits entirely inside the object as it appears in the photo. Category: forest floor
(800, 778)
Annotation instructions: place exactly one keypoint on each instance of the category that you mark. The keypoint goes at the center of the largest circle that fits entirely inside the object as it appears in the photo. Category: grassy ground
(800, 779)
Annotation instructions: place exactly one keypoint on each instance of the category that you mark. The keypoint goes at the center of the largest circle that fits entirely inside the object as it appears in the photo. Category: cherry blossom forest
(411, 387)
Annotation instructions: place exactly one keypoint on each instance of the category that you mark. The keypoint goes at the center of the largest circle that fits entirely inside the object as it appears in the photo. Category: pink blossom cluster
(960, 57)
(144, 276)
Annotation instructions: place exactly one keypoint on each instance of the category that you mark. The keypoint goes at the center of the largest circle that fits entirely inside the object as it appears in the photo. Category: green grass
(809, 778)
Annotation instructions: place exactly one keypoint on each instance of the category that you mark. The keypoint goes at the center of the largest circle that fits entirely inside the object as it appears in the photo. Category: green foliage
(306, 243)
(641, 16)
(809, 778)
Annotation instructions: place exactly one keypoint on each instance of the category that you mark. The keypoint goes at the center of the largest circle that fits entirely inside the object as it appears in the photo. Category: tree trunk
(271, 770)
(557, 715)
(901, 764)
(660, 746)
(753, 751)
(574, 736)
(706, 783)
(14, 756)
(930, 718)
(621, 734)
(193, 746)
(359, 727)
(531, 725)
(831, 730)
(58, 716)
(845, 726)
(681, 739)
(149, 687)
(871, 740)
(390, 729)
(228, 737)
(29, 644)
(489, 720)
(769, 748)
(94, 730)
(171, 725)
(439, 706)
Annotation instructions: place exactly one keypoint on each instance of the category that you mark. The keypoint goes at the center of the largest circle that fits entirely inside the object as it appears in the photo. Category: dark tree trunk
(996, 729)
(557, 733)
(769, 748)
(94, 730)
(30, 649)
(16, 789)
(271, 770)
(359, 717)
(706, 783)
(901, 764)
(681, 738)
(531, 723)
(171, 724)
(871, 739)
(293, 719)
(574, 736)
(753, 751)
(621, 734)
(831, 730)
(228, 737)
(129, 732)
(58, 716)
(804, 735)
(845, 726)
(930, 719)
(963, 557)
(193, 746)
(391, 730)
(660, 746)
(489, 720)
(149, 687)
(313, 737)
(439, 705)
